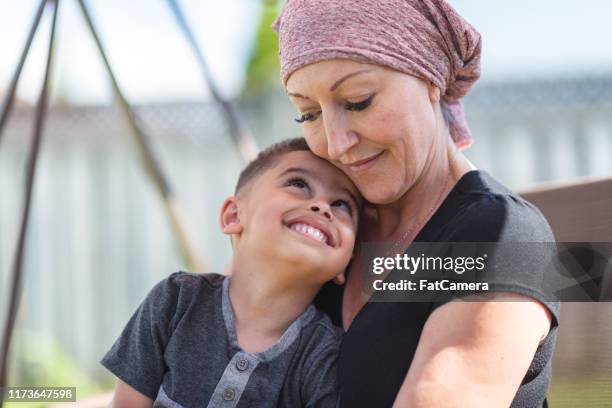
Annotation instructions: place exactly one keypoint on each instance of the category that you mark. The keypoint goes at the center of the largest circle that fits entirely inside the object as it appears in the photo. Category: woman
(377, 87)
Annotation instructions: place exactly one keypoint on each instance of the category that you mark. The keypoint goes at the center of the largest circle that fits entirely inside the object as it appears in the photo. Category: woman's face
(376, 124)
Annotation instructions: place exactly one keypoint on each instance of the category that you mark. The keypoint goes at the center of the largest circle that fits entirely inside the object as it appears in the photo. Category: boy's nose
(317, 208)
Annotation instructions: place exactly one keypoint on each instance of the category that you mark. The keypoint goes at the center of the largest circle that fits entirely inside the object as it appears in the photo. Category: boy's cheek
(268, 215)
(348, 241)
(350, 234)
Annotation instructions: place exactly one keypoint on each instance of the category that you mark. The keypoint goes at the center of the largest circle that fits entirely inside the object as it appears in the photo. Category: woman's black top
(381, 342)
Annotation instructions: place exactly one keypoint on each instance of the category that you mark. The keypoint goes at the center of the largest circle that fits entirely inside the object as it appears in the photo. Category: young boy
(253, 339)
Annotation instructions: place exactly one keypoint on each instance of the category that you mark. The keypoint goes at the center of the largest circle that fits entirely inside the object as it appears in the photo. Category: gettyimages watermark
(438, 272)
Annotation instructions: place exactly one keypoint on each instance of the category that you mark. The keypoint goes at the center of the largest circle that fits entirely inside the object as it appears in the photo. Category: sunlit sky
(152, 61)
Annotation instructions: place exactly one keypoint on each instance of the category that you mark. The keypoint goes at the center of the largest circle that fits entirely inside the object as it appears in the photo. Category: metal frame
(41, 108)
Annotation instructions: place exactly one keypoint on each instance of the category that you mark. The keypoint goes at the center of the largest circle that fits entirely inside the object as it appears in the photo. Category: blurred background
(99, 238)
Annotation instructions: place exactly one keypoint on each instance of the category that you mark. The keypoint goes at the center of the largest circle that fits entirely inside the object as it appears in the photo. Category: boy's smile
(313, 228)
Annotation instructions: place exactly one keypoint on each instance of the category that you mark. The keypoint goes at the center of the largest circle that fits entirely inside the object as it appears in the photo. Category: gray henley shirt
(180, 349)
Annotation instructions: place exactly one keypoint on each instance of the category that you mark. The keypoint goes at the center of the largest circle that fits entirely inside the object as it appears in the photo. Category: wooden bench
(582, 364)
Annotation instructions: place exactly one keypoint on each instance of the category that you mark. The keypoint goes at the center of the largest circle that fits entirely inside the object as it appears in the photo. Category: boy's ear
(340, 278)
(230, 222)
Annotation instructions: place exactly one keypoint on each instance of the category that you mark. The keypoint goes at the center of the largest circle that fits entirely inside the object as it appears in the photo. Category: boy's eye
(298, 182)
(344, 205)
(359, 106)
(307, 117)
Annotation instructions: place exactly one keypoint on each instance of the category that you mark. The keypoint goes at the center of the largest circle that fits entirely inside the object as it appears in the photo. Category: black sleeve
(137, 356)
(329, 301)
(526, 245)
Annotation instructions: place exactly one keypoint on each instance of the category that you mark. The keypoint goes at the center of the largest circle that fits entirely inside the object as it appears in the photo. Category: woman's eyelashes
(350, 106)
(359, 106)
(306, 117)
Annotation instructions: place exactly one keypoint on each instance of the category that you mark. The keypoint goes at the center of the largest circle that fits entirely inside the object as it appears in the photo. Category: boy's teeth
(311, 231)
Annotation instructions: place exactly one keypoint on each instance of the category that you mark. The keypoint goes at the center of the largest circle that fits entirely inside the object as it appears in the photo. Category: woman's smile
(363, 165)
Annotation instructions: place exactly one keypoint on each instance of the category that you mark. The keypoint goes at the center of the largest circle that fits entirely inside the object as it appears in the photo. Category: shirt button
(228, 394)
(242, 364)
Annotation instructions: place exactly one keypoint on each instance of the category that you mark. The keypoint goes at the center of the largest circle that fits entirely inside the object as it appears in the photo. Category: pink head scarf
(424, 38)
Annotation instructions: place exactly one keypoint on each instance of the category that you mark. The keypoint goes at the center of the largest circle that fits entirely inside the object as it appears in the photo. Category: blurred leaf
(263, 68)
(39, 361)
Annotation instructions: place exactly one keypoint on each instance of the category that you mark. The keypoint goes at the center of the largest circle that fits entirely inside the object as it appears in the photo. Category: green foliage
(263, 68)
(39, 361)
(585, 392)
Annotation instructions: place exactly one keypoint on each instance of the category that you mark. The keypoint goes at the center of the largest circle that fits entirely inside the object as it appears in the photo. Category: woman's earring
(434, 93)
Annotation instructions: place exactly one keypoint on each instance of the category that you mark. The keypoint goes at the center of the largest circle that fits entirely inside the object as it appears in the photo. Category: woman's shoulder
(481, 209)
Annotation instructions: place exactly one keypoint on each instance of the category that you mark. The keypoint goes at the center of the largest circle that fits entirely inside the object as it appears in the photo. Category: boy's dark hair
(267, 158)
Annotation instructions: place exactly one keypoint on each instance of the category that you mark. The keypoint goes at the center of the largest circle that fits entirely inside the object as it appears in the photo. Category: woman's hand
(474, 354)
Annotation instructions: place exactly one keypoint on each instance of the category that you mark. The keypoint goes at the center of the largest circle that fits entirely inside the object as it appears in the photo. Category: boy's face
(302, 211)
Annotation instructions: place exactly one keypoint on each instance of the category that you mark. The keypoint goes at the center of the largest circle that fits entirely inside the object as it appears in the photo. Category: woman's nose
(339, 136)
(323, 209)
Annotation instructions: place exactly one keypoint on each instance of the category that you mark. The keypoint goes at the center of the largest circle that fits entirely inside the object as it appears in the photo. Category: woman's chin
(380, 194)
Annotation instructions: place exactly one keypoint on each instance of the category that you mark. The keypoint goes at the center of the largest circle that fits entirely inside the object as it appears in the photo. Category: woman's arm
(128, 397)
(474, 354)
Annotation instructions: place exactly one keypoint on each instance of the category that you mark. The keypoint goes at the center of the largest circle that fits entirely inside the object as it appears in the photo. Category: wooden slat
(582, 362)
(578, 212)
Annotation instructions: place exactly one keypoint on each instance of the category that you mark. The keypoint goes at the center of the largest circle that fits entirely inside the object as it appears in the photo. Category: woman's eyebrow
(347, 76)
(334, 86)
(297, 95)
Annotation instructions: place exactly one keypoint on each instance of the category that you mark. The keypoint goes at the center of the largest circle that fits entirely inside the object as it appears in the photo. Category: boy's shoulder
(195, 280)
(187, 282)
(174, 295)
